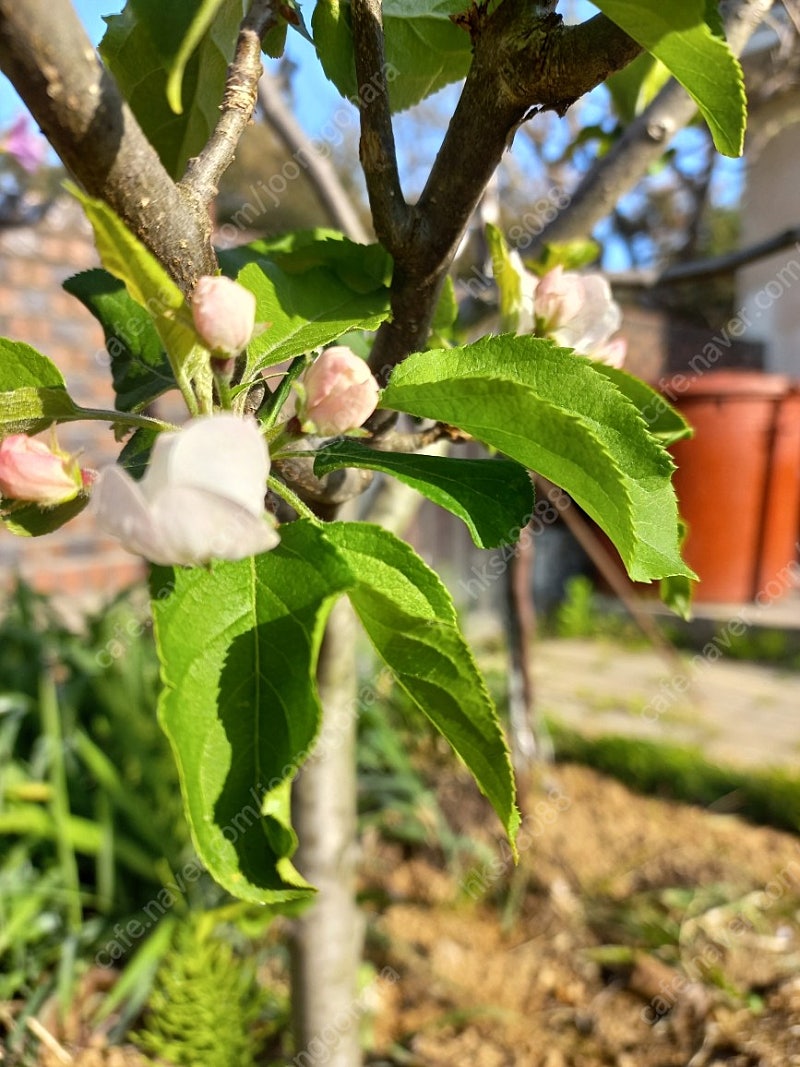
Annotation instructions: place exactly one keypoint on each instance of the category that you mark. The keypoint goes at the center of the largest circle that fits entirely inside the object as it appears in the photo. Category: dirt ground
(634, 932)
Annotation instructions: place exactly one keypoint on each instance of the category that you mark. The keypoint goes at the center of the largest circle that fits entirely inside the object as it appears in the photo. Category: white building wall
(769, 290)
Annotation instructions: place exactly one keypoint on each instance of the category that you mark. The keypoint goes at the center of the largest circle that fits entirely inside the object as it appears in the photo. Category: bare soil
(634, 932)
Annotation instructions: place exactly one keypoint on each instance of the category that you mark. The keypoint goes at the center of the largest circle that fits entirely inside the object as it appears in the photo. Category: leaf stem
(277, 399)
(123, 418)
(292, 499)
(223, 384)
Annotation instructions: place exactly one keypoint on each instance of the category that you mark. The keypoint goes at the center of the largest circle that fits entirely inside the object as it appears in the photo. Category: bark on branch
(48, 58)
(390, 213)
(523, 60)
(238, 103)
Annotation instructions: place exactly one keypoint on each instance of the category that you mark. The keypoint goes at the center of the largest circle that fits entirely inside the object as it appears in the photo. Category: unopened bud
(224, 315)
(33, 472)
(340, 393)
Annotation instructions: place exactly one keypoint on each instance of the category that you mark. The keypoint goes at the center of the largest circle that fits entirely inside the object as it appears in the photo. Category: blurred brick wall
(77, 560)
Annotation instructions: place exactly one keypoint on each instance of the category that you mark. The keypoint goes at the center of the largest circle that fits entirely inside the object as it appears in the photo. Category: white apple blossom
(575, 310)
(201, 498)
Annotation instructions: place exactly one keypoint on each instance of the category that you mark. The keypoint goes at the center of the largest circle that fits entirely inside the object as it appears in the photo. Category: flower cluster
(202, 496)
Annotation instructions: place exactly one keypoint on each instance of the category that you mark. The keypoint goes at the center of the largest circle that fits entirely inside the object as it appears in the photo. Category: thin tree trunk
(328, 937)
(521, 629)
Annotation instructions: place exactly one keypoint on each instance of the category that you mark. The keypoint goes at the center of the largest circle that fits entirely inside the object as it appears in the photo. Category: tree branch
(319, 171)
(643, 142)
(238, 103)
(47, 56)
(523, 59)
(714, 267)
(390, 213)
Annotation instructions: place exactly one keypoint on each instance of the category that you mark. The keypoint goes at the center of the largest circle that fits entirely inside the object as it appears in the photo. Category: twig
(398, 441)
(390, 214)
(238, 103)
(318, 169)
(604, 561)
(47, 1039)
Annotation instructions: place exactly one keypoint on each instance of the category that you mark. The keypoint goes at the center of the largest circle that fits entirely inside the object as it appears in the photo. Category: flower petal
(194, 526)
(224, 455)
(121, 510)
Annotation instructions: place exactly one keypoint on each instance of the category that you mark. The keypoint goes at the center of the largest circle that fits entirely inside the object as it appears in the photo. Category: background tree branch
(643, 142)
(318, 168)
(714, 267)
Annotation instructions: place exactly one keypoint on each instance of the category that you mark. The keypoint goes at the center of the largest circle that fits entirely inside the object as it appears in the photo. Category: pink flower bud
(33, 472)
(340, 393)
(224, 315)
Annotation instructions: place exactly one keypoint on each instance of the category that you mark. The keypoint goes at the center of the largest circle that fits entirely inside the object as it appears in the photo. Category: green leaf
(170, 61)
(445, 315)
(424, 49)
(676, 594)
(507, 277)
(571, 255)
(494, 498)
(33, 393)
(634, 87)
(31, 520)
(680, 37)
(238, 646)
(148, 283)
(662, 419)
(410, 619)
(139, 365)
(551, 411)
(363, 268)
(135, 456)
(305, 311)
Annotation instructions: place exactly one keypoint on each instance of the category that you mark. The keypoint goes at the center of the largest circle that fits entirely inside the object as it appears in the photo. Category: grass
(768, 797)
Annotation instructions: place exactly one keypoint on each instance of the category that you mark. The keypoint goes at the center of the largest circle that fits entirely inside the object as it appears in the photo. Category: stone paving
(738, 713)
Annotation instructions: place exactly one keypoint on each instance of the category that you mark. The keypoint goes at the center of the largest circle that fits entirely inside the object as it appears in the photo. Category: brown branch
(714, 267)
(318, 169)
(643, 143)
(238, 103)
(523, 59)
(48, 58)
(390, 213)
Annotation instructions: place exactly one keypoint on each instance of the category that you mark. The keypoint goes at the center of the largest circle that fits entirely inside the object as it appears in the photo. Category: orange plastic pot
(738, 482)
